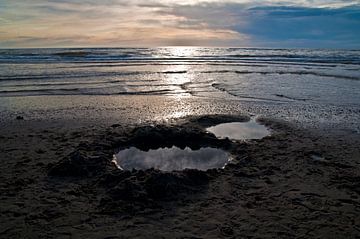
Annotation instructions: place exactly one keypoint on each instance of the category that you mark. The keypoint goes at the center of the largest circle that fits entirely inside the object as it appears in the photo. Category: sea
(308, 76)
(309, 87)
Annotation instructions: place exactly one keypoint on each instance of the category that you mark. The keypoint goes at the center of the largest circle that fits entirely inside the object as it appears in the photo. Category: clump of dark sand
(138, 185)
(94, 158)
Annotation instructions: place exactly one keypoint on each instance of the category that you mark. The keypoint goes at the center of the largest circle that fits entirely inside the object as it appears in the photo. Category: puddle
(240, 130)
(171, 159)
(318, 157)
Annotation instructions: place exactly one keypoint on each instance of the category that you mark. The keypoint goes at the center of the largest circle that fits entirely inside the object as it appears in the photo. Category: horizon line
(174, 46)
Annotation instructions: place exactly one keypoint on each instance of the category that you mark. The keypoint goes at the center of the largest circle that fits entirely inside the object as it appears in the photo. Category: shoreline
(104, 111)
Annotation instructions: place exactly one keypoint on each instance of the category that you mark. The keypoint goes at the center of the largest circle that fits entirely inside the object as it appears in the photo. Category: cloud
(275, 23)
(281, 26)
(304, 27)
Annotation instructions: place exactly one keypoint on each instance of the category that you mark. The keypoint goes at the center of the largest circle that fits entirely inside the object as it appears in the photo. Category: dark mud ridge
(91, 162)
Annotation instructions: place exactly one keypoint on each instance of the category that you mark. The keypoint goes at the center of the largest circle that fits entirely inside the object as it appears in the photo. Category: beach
(62, 124)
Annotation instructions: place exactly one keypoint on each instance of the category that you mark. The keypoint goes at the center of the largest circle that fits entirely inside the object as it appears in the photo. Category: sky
(126, 23)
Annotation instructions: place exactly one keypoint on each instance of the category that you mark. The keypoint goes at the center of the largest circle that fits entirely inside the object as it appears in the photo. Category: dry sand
(57, 181)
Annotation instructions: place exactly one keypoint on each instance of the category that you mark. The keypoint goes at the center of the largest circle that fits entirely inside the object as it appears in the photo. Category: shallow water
(312, 87)
(240, 130)
(171, 159)
(318, 157)
(271, 75)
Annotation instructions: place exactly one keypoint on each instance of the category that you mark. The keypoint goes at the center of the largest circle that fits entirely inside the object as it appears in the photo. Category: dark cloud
(304, 27)
(267, 23)
(280, 25)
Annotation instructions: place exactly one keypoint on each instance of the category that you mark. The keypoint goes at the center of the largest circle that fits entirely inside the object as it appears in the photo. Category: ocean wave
(69, 83)
(110, 62)
(225, 89)
(81, 91)
(283, 73)
(40, 91)
(72, 53)
(290, 98)
(172, 72)
(210, 63)
(90, 58)
(104, 55)
(85, 75)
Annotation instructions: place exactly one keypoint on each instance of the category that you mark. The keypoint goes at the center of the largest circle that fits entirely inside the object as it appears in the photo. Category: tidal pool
(171, 159)
(240, 130)
(318, 157)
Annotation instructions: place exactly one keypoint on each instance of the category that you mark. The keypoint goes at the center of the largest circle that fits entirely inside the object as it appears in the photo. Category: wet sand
(57, 179)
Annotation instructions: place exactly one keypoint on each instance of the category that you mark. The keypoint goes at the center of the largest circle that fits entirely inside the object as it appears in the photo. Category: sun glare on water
(181, 51)
(179, 77)
(180, 74)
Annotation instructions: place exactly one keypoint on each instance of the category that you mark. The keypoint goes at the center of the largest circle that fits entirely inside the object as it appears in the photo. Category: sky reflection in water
(170, 159)
(240, 130)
